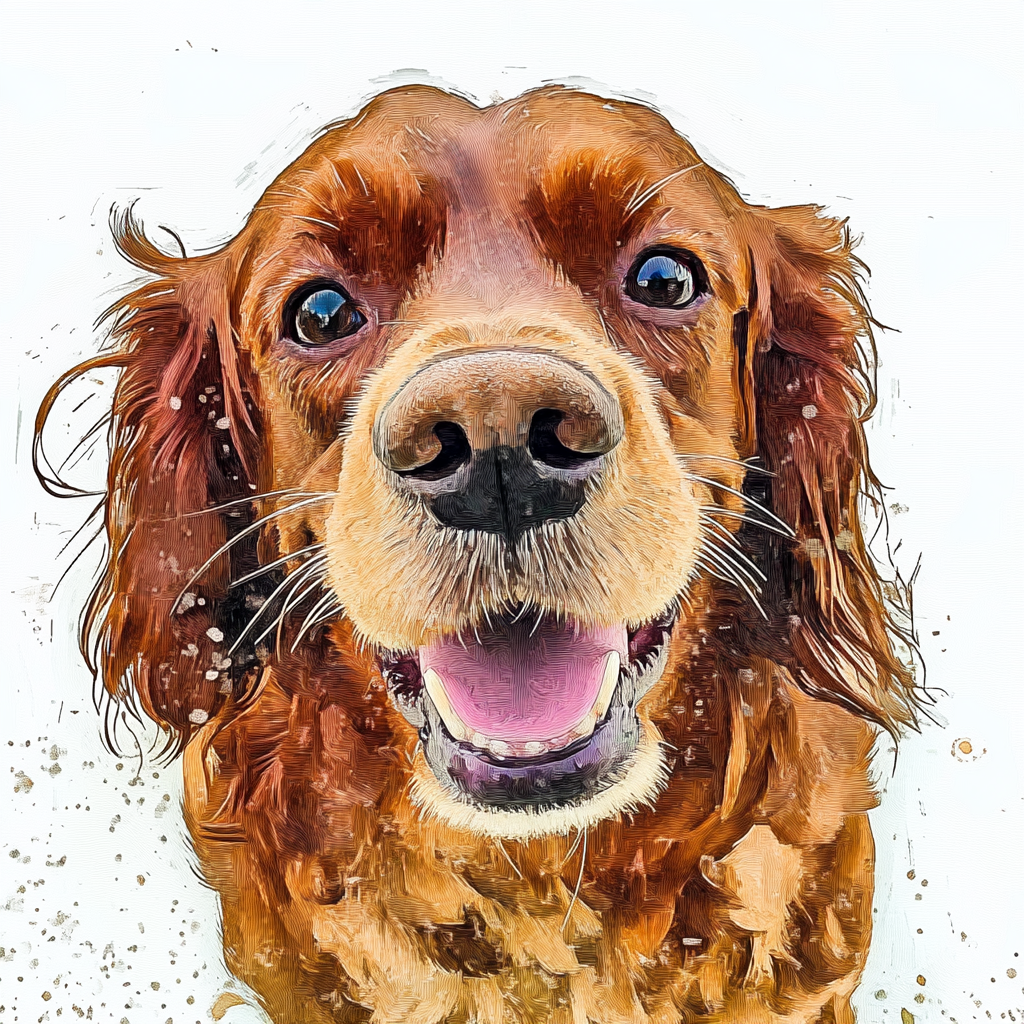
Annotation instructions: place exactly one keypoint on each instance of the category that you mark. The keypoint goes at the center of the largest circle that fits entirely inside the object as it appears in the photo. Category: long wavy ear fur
(848, 634)
(183, 441)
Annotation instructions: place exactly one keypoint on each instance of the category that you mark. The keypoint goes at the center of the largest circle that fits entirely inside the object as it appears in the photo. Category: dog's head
(511, 409)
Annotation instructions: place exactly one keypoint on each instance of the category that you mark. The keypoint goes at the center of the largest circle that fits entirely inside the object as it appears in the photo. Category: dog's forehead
(429, 135)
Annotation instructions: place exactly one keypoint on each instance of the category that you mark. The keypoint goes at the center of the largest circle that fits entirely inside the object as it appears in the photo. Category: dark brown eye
(666, 278)
(325, 315)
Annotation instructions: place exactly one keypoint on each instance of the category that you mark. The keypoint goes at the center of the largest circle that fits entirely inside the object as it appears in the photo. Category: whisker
(579, 882)
(739, 573)
(715, 556)
(329, 613)
(291, 580)
(724, 558)
(730, 541)
(244, 533)
(294, 597)
(524, 608)
(273, 565)
(720, 571)
(721, 510)
(332, 612)
(572, 849)
(739, 494)
(745, 464)
(293, 600)
(311, 618)
(536, 625)
(511, 862)
(712, 570)
(293, 491)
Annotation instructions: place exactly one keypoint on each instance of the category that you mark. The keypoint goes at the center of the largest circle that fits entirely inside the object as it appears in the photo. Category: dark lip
(550, 780)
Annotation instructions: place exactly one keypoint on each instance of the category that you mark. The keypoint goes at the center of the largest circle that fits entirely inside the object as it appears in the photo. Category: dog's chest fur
(741, 906)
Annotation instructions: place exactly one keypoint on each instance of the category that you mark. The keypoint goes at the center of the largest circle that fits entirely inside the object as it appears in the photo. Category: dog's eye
(666, 278)
(325, 315)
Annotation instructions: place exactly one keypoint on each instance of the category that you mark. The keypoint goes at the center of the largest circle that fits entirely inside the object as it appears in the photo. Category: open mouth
(529, 712)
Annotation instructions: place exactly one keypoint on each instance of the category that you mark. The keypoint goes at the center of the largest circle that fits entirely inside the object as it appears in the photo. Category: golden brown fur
(729, 876)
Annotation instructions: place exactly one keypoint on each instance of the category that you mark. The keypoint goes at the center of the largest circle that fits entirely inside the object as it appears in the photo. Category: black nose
(499, 441)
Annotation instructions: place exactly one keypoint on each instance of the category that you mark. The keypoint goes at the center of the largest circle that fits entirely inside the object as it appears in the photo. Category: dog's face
(507, 361)
(495, 377)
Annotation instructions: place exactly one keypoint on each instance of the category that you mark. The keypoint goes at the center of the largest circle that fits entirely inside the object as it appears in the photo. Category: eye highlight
(321, 314)
(666, 278)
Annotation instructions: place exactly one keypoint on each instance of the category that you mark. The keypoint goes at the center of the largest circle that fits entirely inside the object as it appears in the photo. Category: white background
(905, 117)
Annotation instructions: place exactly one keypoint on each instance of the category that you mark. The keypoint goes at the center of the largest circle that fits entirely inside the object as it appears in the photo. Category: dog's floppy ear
(182, 445)
(811, 364)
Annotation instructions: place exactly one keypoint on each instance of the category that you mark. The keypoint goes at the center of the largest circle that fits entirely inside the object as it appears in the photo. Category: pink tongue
(518, 687)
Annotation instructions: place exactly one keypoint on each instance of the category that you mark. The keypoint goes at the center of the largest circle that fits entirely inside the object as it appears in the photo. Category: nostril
(455, 452)
(545, 446)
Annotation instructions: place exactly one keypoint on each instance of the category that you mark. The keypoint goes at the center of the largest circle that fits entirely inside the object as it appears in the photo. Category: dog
(484, 529)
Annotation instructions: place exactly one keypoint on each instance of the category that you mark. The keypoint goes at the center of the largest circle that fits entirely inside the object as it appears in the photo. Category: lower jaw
(640, 777)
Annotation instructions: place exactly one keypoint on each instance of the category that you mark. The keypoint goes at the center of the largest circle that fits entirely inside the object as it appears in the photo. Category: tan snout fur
(640, 523)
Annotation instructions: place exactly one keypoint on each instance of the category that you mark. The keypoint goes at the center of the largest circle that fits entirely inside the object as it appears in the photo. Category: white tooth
(435, 689)
(499, 748)
(609, 681)
(479, 740)
(533, 747)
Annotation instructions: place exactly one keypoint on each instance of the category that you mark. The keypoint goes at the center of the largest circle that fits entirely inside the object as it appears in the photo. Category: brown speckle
(963, 749)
